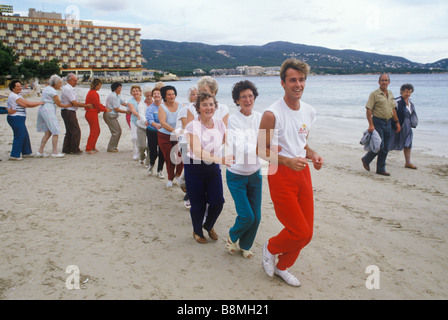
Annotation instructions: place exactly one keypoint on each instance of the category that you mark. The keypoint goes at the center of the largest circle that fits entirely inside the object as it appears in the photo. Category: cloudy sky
(413, 29)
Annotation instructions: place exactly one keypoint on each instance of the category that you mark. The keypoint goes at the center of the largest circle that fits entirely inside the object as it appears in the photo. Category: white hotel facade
(84, 48)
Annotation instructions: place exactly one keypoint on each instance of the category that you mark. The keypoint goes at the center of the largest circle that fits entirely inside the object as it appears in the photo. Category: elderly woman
(152, 118)
(142, 125)
(16, 118)
(93, 98)
(244, 177)
(408, 119)
(136, 93)
(206, 137)
(209, 85)
(47, 120)
(167, 139)
(147, 93)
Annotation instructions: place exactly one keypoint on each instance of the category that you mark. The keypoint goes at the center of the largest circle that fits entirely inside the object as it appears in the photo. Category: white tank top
(292, 127)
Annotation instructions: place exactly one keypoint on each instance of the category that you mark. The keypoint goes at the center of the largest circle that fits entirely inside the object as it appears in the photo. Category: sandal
(199, 239)
(247, 254)
(212, 234)
(231, 246)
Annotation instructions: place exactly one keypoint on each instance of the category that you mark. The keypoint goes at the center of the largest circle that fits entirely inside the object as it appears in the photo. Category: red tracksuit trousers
(94, 124)
(292, 195)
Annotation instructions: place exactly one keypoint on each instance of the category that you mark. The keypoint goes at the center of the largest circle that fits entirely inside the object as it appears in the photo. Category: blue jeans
(21, 143)
(246, 192)
(384, 129)
(204, 185)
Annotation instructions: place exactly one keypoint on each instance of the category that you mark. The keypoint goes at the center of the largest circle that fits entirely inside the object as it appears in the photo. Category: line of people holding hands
(193, 140)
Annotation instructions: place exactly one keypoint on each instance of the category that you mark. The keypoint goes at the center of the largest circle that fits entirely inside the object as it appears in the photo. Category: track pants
(94, 124)
(292, 195)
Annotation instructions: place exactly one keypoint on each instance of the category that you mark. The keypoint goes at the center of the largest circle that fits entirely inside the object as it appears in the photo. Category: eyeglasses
(250, 97)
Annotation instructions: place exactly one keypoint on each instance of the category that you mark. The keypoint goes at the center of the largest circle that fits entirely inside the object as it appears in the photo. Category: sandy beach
(131, 237)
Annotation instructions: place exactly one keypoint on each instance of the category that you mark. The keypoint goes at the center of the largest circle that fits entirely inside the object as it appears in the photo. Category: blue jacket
(371, 141)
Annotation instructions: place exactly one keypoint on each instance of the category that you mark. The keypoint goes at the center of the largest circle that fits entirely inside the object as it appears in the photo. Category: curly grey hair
(54, 80)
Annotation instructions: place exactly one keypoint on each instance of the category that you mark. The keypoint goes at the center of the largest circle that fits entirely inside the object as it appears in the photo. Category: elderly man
(72, 137)
(380, 111)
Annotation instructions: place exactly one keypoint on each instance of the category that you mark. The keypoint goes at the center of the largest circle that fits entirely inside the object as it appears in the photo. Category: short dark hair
(164, 89)
(407, 86)
(204, 95)
(114, 86)
(12, 84)
(241, 86)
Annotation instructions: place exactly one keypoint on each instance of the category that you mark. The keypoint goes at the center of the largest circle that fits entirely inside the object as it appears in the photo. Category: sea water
(340, 104)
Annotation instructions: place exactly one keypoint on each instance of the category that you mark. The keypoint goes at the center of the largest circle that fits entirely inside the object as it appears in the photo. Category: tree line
(26, 69)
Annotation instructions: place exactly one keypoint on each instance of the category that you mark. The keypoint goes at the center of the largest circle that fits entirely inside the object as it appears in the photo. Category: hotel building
(81, 49)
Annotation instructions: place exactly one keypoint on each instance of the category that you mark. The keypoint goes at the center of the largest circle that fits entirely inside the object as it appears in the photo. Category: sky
(413, 29)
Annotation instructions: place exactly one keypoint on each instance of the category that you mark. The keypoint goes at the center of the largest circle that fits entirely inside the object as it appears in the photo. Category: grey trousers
(115, 130)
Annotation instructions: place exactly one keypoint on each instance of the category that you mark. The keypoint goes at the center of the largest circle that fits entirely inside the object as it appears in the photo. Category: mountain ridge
(184, 57)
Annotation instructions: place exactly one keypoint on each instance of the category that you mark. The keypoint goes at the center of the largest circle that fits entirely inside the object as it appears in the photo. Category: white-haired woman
(47, 120)
(209, 85)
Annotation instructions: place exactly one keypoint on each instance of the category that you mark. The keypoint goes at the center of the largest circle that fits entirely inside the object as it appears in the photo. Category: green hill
(184, 57)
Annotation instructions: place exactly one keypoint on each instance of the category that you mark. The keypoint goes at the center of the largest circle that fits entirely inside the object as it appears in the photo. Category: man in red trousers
(287, 123)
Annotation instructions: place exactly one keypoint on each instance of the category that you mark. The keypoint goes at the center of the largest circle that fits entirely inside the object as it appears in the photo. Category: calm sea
(340, 100)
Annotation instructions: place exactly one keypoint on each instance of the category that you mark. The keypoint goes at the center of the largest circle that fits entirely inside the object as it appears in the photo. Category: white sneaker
(160, 175)
(288, 277)
(41, 155)
(58, 155)
(15, 158)
(169, 184)
(180, 181)
(150, 168)
(268, 261)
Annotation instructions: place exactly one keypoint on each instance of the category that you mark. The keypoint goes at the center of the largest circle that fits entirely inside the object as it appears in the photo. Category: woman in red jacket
(92, 114)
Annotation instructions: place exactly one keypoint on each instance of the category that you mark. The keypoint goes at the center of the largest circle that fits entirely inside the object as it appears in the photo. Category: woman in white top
(47, 120)
(17, 106)
(244, 177)
(206, 137)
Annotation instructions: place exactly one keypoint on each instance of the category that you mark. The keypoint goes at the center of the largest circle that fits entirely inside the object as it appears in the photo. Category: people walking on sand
(168, 111)
(152, 117)
(47, 120)
(93, 98)
(244, 177)
(407, 117)
(380, 112)
(16, 106)
(114, 102)
(206, 137)
(136, 93)
(72, 137)
(288, 122)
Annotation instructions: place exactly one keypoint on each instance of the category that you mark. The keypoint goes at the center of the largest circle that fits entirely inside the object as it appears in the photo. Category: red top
(94, 98)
